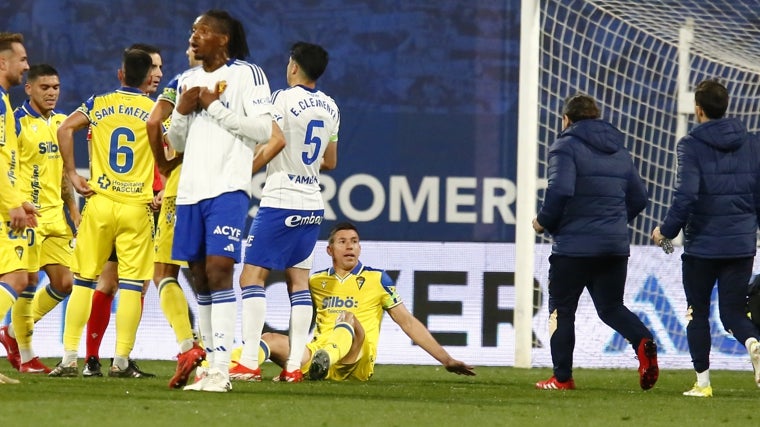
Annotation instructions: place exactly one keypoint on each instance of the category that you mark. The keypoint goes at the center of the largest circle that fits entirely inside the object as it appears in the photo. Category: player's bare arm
(274, 145)
(74, 122)
(413, 328)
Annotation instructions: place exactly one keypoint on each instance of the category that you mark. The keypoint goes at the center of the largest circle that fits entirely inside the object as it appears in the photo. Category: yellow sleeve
(11, 198)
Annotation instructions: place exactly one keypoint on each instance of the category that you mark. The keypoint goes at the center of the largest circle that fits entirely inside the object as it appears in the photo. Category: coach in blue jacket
(716, 204)
(594, 191)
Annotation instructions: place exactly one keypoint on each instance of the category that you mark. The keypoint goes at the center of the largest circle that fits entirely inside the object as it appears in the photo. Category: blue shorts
(210, 227)
(283, 238)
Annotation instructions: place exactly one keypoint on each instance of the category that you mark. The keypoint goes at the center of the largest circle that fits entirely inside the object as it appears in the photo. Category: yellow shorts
(165, 232)
(361, 370)
(108, 224)
(52, 242)
(14, 249)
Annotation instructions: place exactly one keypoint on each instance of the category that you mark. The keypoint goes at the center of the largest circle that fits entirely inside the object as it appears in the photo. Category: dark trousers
(604, 277)
(699, 277)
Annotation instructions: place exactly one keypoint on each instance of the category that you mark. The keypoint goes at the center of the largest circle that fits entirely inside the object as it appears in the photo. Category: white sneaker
(6, 380)
(217, 381)
(754, 355)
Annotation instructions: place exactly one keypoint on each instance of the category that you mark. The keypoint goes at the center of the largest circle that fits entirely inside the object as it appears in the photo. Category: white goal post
(640, 60)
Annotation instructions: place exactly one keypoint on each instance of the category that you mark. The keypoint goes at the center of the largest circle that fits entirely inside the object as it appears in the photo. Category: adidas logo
(230, 248)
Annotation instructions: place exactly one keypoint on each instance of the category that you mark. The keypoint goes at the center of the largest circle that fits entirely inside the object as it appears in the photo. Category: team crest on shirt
(323, 284)
(34, 128)
(360, 282)
(19, 251)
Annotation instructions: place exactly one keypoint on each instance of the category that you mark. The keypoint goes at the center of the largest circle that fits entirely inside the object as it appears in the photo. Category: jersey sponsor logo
(226, 230)
(338, 302)
(304, 179)
(298, 220)
(48, 147)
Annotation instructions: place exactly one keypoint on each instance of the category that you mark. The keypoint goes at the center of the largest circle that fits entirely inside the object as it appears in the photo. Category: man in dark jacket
(594, 191)
(716, 204)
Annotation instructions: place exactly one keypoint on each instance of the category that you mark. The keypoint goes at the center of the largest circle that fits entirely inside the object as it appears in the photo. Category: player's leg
(278, 346)
(253, 316)
(100, 314)
(253, 278)
(301, 312)
(732, 303)
(55, 259)
(134, 248)
(13, 281)
(567, 279)
(606, 288)
(699, 276)
(224, 223)
(343, 345)
(95, 239)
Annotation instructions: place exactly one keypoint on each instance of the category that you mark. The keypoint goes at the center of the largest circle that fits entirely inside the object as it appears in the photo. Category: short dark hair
(151, 49)
(712, 96)
(40, 70)
(238, 46)
(312, 58)
(339, 227)
(580, 107)
(7, 40)
(137, 64)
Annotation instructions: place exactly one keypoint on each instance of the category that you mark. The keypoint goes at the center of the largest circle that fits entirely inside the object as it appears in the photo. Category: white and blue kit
(214, 184)
(286, 226)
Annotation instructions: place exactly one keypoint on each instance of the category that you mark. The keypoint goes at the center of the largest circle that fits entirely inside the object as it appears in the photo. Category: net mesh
(625, 54)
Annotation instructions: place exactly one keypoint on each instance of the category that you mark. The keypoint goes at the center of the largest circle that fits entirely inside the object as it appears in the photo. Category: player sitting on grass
(350, 299)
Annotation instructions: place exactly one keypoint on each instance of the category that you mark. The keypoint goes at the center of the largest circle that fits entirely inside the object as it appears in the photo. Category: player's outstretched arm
(415, 330)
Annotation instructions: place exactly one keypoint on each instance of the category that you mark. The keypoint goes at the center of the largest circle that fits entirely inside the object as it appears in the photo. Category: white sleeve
(178, 131)
(253, 128)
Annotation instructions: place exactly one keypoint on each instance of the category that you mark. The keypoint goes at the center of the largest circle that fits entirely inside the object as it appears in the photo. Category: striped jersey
(310, 120)
(121, 159)
(216, 160)
(41, 165)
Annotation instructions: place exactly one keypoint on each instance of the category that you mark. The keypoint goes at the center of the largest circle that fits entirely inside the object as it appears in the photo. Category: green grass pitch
(398, 395)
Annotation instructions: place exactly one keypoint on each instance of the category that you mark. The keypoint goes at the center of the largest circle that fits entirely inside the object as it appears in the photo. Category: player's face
(154, 76)
(14, 64)
(205, 39)
(345, 249)
(43, 93)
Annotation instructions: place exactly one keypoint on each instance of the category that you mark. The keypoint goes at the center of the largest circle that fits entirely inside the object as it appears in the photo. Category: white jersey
(218, 142)
(309, 119)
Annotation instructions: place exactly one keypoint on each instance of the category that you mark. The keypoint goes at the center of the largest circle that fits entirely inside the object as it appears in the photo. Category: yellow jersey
(121, 159)
(40, 170)
(365, 292)
(8, 137)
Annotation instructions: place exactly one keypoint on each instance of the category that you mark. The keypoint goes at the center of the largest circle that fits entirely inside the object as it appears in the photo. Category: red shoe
(648, 370)
(553, 384)
(34, 366)
(11, 348)
(186, 362)
(290, 377)
(242, 373)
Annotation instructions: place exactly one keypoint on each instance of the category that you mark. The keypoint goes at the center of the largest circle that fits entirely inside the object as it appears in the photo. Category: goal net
(641, 60)
(626, 54)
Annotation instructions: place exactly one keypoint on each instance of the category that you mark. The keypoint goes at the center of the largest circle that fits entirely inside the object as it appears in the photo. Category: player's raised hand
(460, 368)
(206, 96)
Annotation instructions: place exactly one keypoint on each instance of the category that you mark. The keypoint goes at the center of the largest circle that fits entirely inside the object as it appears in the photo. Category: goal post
(640, 60)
